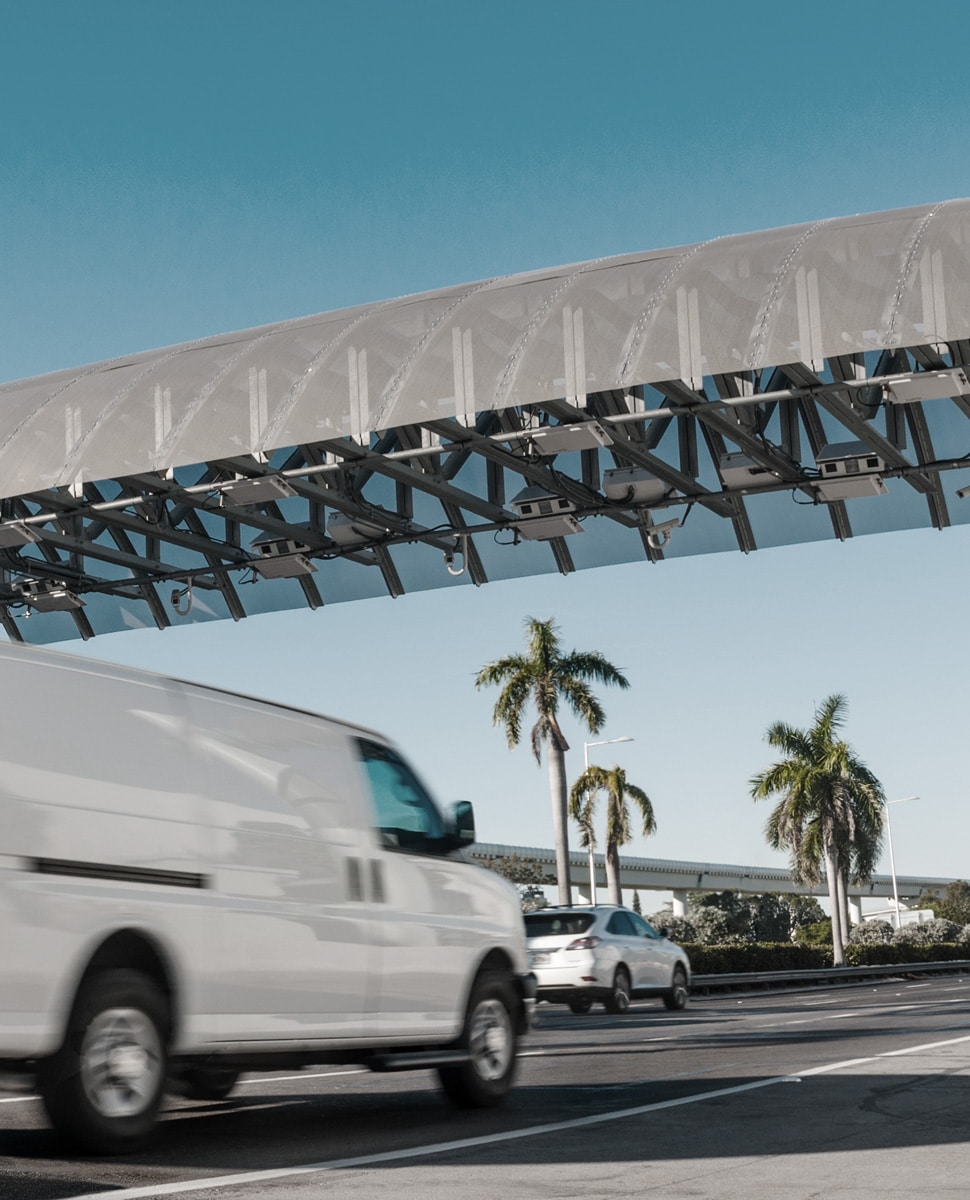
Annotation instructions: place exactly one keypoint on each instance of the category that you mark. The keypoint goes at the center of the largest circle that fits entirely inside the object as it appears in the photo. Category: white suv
(583, 953)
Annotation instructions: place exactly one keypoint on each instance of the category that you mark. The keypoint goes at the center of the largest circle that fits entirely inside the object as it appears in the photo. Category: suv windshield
(546, 924)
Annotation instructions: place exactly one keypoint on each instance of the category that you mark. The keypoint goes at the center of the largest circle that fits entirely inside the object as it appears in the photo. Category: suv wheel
(618, 1001)
(580, 1004)
(676, 998)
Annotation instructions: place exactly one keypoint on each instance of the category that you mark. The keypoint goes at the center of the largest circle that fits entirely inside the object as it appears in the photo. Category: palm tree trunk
(613, 872)
(832, 878)
(560, 817)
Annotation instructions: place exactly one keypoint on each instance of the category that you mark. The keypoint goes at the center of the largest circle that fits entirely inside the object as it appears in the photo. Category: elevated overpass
(679, 878)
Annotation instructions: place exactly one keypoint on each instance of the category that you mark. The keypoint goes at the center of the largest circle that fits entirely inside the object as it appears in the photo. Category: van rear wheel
(103, 1088)
(490, 1037)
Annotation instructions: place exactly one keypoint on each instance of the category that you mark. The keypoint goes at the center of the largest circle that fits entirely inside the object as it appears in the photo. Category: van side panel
(288, 956)
(100, 834)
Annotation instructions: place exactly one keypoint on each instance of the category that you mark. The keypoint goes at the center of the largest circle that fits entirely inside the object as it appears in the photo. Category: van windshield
(405, 815)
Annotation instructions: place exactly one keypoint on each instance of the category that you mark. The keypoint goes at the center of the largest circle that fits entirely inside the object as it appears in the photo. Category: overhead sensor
(633, 485)
(544, 514)
(925, 385)
(255, 489)
(48, 595)
(281, 558)
(739, 471)
(847, 470)
(353, 531)
(560, 439)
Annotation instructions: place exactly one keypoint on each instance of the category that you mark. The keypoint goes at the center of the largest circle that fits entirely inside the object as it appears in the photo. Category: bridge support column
(855, 910)
(680, 902)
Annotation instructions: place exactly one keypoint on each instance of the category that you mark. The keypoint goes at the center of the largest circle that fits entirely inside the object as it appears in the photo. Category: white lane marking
(861, 1012)
(17, 1099)
(370, 1160)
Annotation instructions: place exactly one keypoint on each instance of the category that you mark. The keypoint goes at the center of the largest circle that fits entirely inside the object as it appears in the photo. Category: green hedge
(902, 952)
(757, 956)
(785, 956)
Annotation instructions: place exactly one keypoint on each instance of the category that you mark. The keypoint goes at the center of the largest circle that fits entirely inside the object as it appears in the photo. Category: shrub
(679, 929)
(924, 932)
(871, 933)
(711, 925)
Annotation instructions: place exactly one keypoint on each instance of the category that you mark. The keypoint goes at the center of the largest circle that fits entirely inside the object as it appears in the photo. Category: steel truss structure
(753, 391)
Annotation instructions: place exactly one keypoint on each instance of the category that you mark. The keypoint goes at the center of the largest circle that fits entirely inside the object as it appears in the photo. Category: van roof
(48, 657)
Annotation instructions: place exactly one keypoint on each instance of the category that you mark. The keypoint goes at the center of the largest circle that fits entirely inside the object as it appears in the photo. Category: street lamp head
(607, 742)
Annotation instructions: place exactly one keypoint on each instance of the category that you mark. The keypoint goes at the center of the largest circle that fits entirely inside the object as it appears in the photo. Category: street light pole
(591, 849)
(892, 857)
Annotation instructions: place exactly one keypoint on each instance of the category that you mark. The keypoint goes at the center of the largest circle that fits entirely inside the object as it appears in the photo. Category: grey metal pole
(592, 858)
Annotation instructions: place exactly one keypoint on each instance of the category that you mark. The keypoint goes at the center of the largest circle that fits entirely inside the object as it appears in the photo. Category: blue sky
(172, 171)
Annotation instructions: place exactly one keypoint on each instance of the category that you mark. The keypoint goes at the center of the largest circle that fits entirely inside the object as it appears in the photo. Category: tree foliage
(730, 918)
(829, 811)
(547, 676)
(953, 905)
(528, 875)
(619, 794)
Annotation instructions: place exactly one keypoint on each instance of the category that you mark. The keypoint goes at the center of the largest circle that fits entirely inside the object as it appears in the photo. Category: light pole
(892, 858)
(591, 848)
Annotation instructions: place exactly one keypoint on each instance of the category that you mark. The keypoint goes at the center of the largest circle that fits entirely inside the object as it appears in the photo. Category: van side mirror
(462, 832)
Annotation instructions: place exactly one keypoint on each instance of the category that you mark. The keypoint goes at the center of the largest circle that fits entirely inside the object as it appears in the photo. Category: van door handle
(377, 881)
(355, 883)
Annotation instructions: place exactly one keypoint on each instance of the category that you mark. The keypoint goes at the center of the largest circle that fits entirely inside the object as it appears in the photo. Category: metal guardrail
(766, 980)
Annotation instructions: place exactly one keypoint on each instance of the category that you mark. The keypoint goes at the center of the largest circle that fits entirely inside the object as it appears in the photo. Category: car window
(545, 924)
(643, 928)
(404, 814)
(621, 925)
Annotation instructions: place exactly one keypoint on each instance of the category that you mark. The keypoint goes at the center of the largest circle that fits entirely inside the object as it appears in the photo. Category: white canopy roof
(798, 294)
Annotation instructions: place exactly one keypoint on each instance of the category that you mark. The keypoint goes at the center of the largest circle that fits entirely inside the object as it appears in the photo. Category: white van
(195, 883)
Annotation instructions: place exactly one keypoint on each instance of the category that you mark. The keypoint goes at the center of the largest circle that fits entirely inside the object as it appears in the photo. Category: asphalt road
(847, 1092)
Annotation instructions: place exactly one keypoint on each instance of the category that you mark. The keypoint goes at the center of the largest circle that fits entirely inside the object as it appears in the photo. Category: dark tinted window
(643, 928)
(546, 924)
(621, 925)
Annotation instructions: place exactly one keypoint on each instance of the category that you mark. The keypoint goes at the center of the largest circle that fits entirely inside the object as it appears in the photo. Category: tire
(205, 1083)
(490, 1036)
(676, 998)
(618, 1001)
(580, 1004)
(103, 1087)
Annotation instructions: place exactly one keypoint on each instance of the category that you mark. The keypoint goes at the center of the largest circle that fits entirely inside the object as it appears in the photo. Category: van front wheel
(103, 1088)
(490, 1039)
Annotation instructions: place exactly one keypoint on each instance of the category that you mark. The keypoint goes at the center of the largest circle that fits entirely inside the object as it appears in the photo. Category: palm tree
(830, 810)
(546, 675)
(582, 805)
